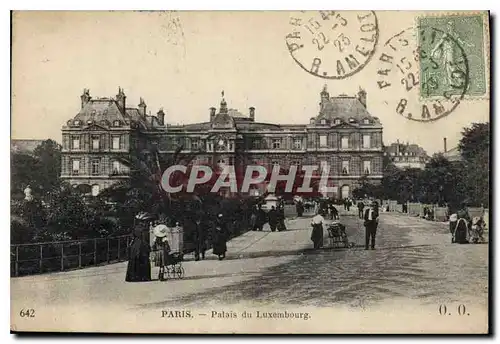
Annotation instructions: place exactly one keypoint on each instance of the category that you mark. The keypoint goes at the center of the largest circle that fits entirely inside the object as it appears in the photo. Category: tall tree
(41, 170)
(442, 181)
(474, 148)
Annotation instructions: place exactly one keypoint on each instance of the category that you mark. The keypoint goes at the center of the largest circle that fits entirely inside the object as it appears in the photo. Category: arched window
(345, 191)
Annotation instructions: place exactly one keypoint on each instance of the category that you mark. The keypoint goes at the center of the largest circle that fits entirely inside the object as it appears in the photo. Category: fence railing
(27, 259)
(439, 214)
(37, 258)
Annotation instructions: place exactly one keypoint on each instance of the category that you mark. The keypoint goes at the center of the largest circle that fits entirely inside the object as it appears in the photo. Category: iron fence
(27, 259)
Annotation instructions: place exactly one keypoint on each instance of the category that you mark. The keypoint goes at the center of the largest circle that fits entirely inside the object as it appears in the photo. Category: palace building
(343, 135)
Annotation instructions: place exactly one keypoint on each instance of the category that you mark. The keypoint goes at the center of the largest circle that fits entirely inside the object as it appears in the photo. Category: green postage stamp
(453, 47)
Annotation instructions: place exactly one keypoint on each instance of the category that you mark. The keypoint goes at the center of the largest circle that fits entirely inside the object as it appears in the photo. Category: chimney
(252, 113)
(325, 96)
(85, 97)
(362, 97)
(161, 117)
(142, 108)
(212, 114)
(120, 99)
(445, 148)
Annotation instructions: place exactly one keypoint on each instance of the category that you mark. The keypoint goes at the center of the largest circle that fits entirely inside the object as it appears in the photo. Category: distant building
(24, 146)
(343, 135)
(451, 154)
(407, 155)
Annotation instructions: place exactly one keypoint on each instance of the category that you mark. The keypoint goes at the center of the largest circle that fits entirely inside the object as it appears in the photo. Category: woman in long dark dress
(139, 265)
(317, 232)
(220, 237)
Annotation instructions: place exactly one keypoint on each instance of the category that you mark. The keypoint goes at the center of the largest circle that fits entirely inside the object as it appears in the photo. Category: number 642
(27, 313)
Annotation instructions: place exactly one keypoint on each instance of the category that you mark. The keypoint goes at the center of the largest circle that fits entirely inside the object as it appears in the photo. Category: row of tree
(442, 182)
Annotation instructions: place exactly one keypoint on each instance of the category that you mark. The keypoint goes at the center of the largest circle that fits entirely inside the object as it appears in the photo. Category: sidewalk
(248, 256)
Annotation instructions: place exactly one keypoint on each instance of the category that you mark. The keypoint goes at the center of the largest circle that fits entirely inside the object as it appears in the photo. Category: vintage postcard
(250, 172)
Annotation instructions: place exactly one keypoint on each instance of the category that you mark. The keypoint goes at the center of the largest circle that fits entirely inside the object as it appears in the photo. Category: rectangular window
(366, 141)
(345, 142)
(210, 146)
(76, 167)
(231, 146)
(297, 144)
(76, 143)
(95, 167)
(116, 142)
(367, 167)
(345, 167)
(276, 143)
(116, 167)
(194, 145)
(95, 143)
(322, 141)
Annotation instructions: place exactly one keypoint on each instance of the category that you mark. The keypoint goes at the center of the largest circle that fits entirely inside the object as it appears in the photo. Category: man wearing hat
(371, 223)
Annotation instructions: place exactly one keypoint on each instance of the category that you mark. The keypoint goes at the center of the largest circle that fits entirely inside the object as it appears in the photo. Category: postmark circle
(332, 44)
(423, 72)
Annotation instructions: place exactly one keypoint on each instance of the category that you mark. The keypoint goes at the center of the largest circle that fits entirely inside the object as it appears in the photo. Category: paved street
(414, 259)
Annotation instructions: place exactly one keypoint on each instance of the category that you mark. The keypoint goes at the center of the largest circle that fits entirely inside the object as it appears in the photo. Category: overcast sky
(182, 61)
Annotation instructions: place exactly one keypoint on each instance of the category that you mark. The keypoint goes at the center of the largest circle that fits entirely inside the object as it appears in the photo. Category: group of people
(275, 218)
(324, 208)
(139, 250)
(370, 218)
(464, 229)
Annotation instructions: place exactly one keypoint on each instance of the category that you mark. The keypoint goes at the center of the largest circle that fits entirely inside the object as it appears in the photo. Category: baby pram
(171, 267)
(337, 235)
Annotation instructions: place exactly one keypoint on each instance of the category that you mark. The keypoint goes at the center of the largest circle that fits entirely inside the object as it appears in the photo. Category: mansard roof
(343, 107)
(100, 109)
(403, 148)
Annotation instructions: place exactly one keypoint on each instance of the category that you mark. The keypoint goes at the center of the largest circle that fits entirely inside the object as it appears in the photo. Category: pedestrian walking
(220, 237)
(139, 264)
(261, 218)
(317, 231)
(273, 218)
(371, 224)
(460, 233)
(361, 206)
(161, 248)
(253, 219)
(281, 218)
(334, 213)
(200, 237)
(300, 208)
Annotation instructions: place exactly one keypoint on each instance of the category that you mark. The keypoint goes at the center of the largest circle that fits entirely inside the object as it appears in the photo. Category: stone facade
(343, 135)
(407, 155)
